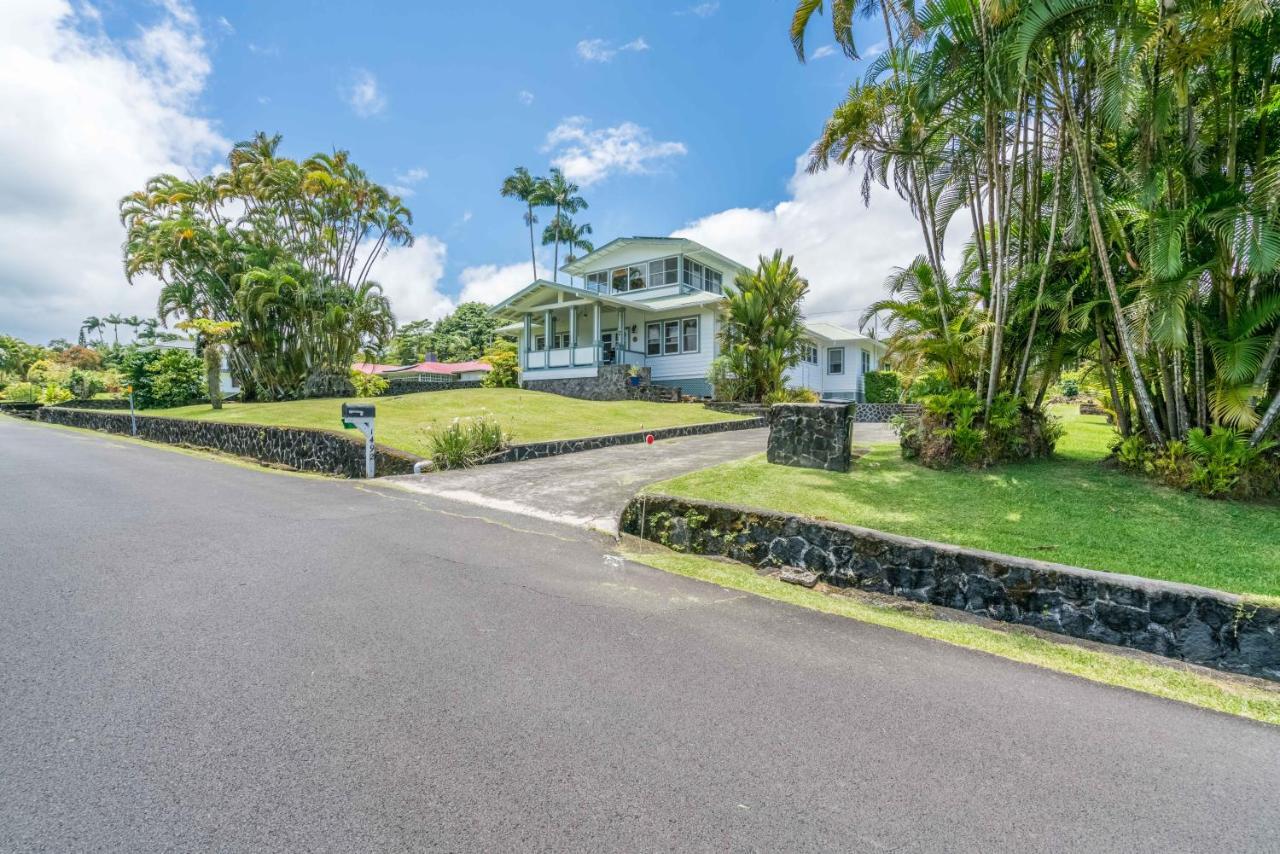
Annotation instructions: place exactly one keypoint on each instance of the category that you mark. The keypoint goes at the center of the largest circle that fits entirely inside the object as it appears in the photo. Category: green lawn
(1068, 510)
(529, 416)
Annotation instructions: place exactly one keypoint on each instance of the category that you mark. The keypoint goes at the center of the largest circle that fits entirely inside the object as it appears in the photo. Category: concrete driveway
(587, 489)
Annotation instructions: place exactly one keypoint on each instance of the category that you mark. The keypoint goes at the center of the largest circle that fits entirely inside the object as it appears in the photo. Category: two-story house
(655, 303)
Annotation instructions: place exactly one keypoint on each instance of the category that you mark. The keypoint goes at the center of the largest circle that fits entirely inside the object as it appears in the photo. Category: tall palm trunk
(1123, 333)
(1044, 272)
(555, 225)
(533, 254)
(213, 373)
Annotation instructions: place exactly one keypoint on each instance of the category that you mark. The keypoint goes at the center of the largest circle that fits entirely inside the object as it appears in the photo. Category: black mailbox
(358, 410)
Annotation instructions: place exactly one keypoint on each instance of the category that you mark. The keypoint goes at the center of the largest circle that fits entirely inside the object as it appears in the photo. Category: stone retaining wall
(611, 382)
(306, 450)
(537, 450)
(403, 386)
(19, 409)
(95, 403)
(811, 435)
(866, 413)
(1193, 624)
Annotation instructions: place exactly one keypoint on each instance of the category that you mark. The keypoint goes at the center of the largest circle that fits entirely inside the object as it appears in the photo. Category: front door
(609, 347)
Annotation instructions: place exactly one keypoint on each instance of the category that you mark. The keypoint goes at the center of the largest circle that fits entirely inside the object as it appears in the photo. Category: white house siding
(805, 375)
(687, 370)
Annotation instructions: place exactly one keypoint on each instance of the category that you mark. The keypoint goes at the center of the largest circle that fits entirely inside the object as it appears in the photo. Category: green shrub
(23, 392)
(502, 358)
(791, 395)
(466, 442)
(1216, 464)
(725, 384)
(368, 385)
(882, 387)
(164, 378)
(925, 386)
(953, 431)
(53, 393)
(1070, 388)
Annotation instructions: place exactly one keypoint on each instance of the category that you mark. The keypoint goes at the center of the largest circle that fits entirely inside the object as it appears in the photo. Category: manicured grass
(529, 416)
(1235, 696)
(1071, 510)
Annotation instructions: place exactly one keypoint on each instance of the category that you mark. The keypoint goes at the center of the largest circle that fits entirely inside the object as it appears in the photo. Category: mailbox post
(359, 416)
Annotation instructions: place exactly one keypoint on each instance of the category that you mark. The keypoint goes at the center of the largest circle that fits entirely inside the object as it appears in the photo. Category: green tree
(164, 378)
(533, 192)
(411, 342)
(504, 360)
(763, 330)
(285, 248)
(464, 334)
(573, 236)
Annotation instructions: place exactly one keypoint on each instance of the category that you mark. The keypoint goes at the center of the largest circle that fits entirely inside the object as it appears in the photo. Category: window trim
(839, 350)
(866, 360)
(661, 341)
(812, 355)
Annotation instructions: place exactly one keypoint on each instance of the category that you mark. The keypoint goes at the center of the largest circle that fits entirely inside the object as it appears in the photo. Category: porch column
(595, 332)
(528, 338)
(548, 339)
(623, 335)
(573, 335)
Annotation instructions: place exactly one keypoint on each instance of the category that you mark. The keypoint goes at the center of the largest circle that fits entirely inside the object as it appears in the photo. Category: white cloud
(823, 52)
(416, 175)
(525, 97)
(590, 155)
(602, 50)
(702, 10)
(491, 283)
(87, 119)
(362, 94)
(263, 49)
(225, 26)
(410, 277)
(842, 247)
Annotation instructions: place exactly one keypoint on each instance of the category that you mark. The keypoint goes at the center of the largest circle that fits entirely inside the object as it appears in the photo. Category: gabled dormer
(649, 267)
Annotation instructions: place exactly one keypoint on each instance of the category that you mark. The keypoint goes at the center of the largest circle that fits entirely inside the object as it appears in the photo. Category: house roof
(373, 368)
(674, 245)
(835, 332)
(440, 368)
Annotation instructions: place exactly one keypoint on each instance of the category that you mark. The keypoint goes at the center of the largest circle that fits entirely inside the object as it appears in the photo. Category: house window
(866, 362)
(701, 276)
(664, 272)
(598, 281)
(809, 353)
(835, 360)
(672, 337)
(539, 342)
(689, 334)
(561, 340)
(711, 280)
(653, 339)
(618, 279)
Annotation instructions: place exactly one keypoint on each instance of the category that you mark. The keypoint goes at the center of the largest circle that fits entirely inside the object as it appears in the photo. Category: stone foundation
(1193, 624)
(611, 382)
(306, 450)
(811, 435)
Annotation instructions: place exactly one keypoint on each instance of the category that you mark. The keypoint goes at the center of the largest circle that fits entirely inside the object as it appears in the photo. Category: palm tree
(532, 191)
(764, 329)
(90, 325)
(212, 334)
(563, 194)
(114, 321)
(561, 229)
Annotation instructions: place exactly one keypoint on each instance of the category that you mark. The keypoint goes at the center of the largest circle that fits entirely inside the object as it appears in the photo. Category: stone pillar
(811, 435)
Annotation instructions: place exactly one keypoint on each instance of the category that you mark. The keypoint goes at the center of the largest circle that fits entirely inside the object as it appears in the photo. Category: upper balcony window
(654, 274)
(701, 276)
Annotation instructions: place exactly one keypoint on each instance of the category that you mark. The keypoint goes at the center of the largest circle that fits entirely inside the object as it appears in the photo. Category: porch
(577, 337)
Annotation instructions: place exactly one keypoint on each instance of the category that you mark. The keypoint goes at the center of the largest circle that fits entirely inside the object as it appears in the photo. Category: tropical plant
(54, 393)
(533, 192)
(463, 443)
(90, 325)
(284, 248)
(213, 334)
(78, 356)
(369, 385)
(791, 395)
(1116, 164)
(562, 229)
(881, 387)
(763, 332)
(22, 392)
(504, 363)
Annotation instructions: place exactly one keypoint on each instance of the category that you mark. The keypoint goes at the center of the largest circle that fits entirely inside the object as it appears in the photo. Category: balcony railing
(581, 357)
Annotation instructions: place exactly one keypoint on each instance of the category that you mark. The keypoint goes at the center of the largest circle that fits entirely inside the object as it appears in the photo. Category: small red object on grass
(649, 439)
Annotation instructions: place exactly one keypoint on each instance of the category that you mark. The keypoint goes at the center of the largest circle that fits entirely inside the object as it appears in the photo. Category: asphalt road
(198, 656)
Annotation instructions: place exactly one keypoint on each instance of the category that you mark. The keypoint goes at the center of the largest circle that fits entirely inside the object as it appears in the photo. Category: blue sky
(674, 116)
